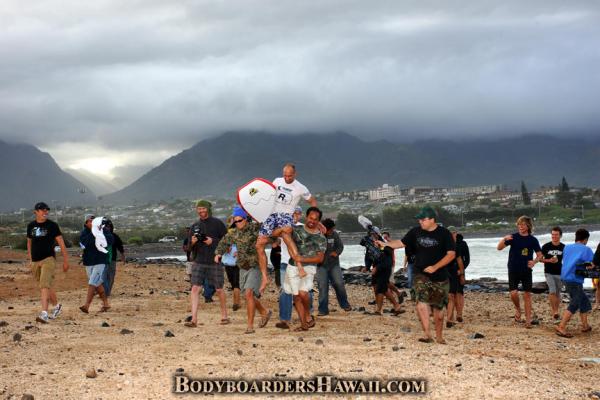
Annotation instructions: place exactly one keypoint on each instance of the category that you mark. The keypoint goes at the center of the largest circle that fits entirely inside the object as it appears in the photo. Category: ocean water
(486, 261)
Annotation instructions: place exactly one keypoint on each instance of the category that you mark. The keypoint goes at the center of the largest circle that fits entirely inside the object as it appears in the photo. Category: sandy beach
(51, 361)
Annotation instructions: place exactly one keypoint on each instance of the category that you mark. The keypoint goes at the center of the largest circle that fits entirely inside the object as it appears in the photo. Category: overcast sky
(133, 82)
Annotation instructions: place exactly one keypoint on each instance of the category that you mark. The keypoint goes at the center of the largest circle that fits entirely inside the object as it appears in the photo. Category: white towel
(101, 243)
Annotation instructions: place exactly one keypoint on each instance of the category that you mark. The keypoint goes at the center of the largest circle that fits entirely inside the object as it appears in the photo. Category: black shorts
(211, 272)
(523, 277)
(453, 278)
(233, 276)
(380, 279)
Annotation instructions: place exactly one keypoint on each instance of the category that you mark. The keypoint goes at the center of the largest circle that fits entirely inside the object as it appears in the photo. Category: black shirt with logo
(429, 248)
(43, 238)
(549, 250)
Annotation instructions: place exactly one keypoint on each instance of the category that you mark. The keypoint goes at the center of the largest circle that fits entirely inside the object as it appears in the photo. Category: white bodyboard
(257, 198)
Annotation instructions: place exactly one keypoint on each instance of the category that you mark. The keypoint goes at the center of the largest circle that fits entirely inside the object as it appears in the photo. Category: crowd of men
(435, 261)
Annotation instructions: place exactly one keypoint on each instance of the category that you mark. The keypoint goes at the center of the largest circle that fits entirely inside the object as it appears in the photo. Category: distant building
(483, 189)
(385, 192)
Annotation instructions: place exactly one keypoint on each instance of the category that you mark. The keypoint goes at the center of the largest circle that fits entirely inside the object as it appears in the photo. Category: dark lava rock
(239, 352)
(169, 334)
(301, 339)
(395, 348)
(125, 331)
(105, 324)
(367, 339)
(179, 370)
(27, 396)
(3, 323)
(17, 337)
(476, 335)
(319, 342)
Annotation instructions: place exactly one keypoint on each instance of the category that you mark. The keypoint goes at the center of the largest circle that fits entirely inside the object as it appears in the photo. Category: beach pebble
(28, 327)
(319, 342)
(161, 324)
(17, 337)
(91, 373)
(395, 348)
(476, 335)
(169, 334)
(11, 308)
(254, 345)
(3, 323)
(27, 396)
(239, 352)
(105, 324)
(367, 339)
(179, 370)
(301, 339)
(125, 331)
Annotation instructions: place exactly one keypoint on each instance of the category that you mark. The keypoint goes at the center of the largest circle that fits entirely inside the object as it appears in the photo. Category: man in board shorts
(42, 235)
(434, 249)
(279, 223)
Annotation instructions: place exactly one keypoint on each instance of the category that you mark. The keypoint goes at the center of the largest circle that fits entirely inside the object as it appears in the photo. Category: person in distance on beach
(244, 236)
(311, 245)
(205, 236)
(392, 283)
(552, 258)
(381, 272)
(42, 234)
(456, 274)
(330, 271)
(596, 281)
(434, 249)
(573, 255)
(279, 223)
(523, 245)
(110, 271)
(95, 262)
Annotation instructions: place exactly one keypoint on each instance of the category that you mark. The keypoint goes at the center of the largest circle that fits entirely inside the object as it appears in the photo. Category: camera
(198, 234)
(588, 270)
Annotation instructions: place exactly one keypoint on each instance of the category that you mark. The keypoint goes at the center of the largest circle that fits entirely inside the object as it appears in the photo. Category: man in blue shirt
(520, 264)
(575, 254)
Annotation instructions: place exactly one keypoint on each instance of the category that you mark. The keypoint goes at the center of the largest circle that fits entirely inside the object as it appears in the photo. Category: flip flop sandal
(300, 329)
(249, 331)
(528, 326)
(104, 309)
(564, 335)
(450, 324)
(225, 321)
(398, 312)
(442, 341)
(312, 323)
(426, 340)
(264, 320)
(84, 310)
(588, 329)
(459, 319)
(190, 324)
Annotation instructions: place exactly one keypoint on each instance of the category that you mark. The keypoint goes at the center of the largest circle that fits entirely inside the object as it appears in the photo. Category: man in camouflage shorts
(252, 280)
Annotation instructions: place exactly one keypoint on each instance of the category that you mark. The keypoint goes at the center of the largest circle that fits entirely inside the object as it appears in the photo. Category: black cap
(41, 206)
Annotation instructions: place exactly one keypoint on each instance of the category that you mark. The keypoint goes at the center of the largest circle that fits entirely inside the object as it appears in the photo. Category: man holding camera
(205, 236)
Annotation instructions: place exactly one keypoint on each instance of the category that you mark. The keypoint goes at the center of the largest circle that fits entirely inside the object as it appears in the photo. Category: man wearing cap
(95, 262)
(205, 236)
(244, 236)
(330, 271)
(434, 250)
(280, 222)
(42, 234)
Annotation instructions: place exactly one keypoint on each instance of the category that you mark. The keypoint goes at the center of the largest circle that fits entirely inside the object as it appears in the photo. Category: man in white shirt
(279, 223)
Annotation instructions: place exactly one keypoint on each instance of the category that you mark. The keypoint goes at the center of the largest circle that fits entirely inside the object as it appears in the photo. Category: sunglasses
(237, 221)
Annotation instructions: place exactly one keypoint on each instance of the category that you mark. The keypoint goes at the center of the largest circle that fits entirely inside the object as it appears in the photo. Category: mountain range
(28, 175)
(337, 161)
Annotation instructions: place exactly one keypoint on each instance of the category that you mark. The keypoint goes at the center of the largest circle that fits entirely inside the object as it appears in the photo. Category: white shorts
(292, 283)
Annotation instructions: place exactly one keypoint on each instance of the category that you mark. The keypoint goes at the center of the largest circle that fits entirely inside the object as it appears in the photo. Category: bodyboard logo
(253, 191)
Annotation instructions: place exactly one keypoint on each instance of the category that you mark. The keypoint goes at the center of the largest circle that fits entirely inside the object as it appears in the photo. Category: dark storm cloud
(146, 74)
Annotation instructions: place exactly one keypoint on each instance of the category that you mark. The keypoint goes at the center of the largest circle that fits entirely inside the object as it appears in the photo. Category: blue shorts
(274, 221)
(94, 273)
(579, 301)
